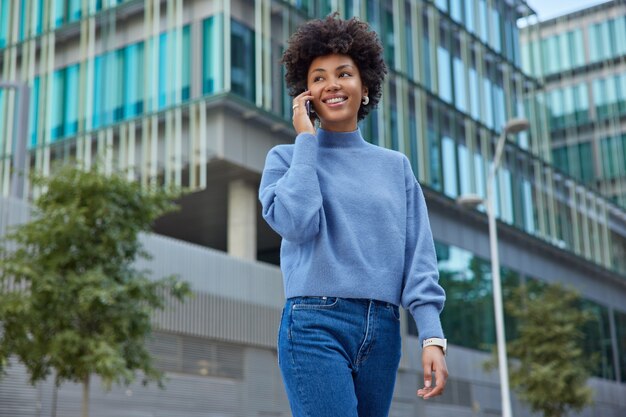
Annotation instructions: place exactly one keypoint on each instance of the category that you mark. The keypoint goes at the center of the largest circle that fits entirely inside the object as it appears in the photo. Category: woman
(356, 237)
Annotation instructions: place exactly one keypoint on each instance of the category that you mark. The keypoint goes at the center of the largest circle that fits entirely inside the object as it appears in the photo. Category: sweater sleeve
(290, 192)
(421, 293)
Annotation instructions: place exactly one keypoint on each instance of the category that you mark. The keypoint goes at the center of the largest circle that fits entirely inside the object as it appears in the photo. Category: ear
(365, 90)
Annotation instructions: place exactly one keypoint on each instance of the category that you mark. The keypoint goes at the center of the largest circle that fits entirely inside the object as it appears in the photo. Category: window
(450, 186)
(4, 22)
(620, 330)
(468, 316)
(598, 340)
(212, 56)
(134, 86)
(434, 149)
(444, 70)
(64, 109)
(33, 113)
(242, 60)
(460, 97)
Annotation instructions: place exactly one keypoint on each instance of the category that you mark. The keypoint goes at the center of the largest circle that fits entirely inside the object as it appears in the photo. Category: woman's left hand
(433, 360)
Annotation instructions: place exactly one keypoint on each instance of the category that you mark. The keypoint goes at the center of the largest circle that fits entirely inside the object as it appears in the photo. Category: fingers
(301, 121)
(433, 361)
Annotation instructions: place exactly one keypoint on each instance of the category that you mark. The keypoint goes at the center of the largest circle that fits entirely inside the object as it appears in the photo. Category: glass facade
(455, 79)
(586, 93)
(469, 316)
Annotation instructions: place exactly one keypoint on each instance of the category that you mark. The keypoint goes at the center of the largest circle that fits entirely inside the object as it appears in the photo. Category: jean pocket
(315, 303)
(395, 310)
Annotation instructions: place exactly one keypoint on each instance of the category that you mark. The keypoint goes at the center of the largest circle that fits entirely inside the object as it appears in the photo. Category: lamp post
(512, 127)
(19, 136)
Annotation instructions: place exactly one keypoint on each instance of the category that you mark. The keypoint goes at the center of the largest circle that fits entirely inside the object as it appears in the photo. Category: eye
(317, 78)
(345, 74)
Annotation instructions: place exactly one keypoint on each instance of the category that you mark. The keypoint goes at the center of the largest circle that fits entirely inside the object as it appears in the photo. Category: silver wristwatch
(435, 341)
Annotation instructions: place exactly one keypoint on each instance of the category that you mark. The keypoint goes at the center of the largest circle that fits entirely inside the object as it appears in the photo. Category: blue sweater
(354, 224)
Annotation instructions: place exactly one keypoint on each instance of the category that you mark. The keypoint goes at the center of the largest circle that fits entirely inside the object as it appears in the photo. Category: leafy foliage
(552, 369)
(70, 299)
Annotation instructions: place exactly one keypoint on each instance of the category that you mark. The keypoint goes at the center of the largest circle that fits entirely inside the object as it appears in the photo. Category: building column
(241, 232)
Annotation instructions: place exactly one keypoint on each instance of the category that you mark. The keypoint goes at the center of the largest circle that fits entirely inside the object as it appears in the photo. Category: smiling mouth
(335, 100)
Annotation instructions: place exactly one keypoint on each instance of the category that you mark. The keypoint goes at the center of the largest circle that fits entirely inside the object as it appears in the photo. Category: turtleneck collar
(330, 139)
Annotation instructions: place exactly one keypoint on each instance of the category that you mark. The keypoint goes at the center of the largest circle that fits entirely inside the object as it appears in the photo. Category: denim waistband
(364, 301)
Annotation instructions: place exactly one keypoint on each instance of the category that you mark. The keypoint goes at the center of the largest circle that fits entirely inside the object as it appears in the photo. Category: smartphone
(309, 108)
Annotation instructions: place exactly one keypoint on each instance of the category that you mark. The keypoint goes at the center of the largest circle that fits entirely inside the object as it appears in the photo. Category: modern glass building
(580, 59)
(191, 92)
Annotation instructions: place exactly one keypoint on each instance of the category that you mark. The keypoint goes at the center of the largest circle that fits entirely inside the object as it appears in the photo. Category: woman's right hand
(301, 121)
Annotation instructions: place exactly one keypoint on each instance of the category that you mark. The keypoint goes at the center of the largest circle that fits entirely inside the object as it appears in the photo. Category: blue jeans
(338, 356)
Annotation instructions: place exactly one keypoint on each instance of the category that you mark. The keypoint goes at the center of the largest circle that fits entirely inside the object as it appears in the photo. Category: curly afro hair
(333, 35)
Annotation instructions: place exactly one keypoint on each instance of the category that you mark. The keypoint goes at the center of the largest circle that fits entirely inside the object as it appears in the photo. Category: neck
(332, 139)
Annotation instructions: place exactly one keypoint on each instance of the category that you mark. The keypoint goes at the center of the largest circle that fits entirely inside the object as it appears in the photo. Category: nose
(333, 85)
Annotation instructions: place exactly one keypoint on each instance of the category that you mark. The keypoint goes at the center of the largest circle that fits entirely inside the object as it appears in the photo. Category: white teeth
(335, 100)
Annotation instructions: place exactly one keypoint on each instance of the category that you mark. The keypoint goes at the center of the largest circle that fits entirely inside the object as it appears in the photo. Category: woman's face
(335, 84)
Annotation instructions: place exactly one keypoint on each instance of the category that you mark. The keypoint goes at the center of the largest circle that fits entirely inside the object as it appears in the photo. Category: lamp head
(470, 200)
(514, 126)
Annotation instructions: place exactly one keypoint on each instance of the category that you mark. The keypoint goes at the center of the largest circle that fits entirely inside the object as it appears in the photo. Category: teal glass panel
(464, 169)
(483, 19)
(59, 13)
(426, 61)
(470, 15)
(585, 162)
(450, 180)
(56, 110)
(620, 330)
(23, 23)
(73, 10)
(488, 117)
(460, 97)
(99, 116)
(212, 56)
(479, 175)
(134, 80)
(4, 22)
(456, 10)
(577, 48)
(497, 27)
(389, 39)
(473, 92)
(468, 317)
(598, 340)
(413, 134)
(409, 49)
(70, 100)
(33, 113)
(165, 78)
(620, 35)
(605, 36)
(242, 60)
(564, 50)
(569, 107)
(500, 107)
(434, 149)
(599, 97)
(582, 103)
(115, 91)
(441, 4)
(186, 64)
(444, 70)
(528, 206)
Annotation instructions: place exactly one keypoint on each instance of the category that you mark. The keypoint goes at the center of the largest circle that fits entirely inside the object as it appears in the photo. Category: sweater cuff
(428, 322)
(305, 151)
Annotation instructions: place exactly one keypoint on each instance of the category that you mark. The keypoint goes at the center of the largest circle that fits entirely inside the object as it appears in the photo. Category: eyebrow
(340, 67)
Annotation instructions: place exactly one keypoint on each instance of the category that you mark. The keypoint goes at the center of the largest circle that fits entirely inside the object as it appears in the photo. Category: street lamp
(19, 136)
(471, 200)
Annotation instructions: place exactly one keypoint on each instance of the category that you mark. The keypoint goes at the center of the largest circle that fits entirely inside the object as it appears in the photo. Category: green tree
(70, 299)
(551, 368)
